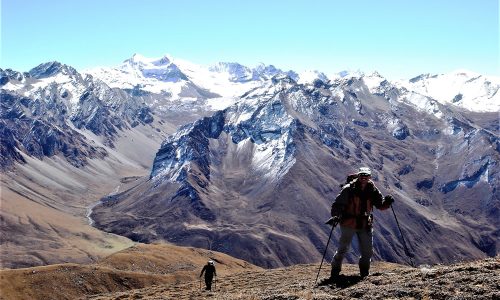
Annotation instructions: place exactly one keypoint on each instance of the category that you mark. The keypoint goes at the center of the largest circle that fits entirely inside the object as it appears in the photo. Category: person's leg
(346, 235)
(365, 238)
(208, 283)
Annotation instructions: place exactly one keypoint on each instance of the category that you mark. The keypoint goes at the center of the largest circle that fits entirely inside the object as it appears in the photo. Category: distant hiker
(209, 270)
(353, 210)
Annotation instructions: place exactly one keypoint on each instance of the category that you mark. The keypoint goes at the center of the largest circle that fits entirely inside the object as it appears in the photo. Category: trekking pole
(333, 223)
(403, 238)
(200, 283)
(215, 283)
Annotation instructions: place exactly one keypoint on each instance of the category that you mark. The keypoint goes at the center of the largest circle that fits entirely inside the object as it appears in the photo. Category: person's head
(364, 175)
(211, 262)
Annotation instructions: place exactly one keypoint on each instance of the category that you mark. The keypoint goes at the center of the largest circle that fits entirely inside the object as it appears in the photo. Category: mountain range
(245, 161)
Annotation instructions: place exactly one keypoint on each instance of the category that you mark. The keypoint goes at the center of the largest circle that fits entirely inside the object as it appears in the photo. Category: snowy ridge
(310, 76)
(159, 76)
(228, 81)
(259, 122)
(174, 78)
(374, 82)
(220, 85)
(461, 88)
(49, 77)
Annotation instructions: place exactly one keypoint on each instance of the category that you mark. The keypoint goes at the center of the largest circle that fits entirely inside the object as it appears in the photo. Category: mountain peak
(283, 78)
(52, 68)
(309, 76)
(137, 59)
(161, 69)
(462, 88)
(236, 71)
(163, 61)
(421, 77)
(375, 74)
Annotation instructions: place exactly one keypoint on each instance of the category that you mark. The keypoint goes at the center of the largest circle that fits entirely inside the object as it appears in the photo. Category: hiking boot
(334, 276)
(364, 271)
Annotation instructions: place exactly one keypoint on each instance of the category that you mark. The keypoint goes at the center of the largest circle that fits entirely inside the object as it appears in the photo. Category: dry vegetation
(137, 267)
(171, 272)
(474, 280)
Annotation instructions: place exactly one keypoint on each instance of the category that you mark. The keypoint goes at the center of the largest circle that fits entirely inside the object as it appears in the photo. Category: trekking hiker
(209, 270)
(352, 209)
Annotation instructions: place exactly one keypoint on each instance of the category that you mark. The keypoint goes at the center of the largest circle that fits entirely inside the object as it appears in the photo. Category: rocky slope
(474, 280)
(257, 178)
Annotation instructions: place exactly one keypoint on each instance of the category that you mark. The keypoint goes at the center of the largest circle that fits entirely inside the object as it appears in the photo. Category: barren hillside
(473, 280)
(171, 272)
(136, 267)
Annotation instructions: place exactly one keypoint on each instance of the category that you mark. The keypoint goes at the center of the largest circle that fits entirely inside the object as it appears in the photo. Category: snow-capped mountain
(223, 83)
(152, 75)
(235, 71)
(182, 80)
(465, 89)
(310, 76)
(256, 180)
(51, 109)
(259, 161)
(268, 128)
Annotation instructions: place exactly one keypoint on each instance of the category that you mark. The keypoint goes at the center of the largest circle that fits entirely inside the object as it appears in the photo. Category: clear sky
(398, 38)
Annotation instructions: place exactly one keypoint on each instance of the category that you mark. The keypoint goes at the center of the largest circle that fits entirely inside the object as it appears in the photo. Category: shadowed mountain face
(257, 180)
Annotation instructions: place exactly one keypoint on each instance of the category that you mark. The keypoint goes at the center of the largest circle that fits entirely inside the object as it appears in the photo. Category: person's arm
(381, 202)
(340, 202)
(203, 270)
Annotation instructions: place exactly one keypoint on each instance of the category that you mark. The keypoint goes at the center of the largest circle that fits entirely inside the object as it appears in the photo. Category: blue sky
(398, 38)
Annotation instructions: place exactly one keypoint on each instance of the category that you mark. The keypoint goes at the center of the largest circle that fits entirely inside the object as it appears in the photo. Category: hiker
(352, 209)
(209, 270)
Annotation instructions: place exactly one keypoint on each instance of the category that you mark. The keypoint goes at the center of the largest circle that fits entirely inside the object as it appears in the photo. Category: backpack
(350, 178)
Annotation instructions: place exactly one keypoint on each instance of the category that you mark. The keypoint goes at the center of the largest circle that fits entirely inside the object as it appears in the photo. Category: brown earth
(137, 267)
(162, 271)
(44, 204)
(472, 280)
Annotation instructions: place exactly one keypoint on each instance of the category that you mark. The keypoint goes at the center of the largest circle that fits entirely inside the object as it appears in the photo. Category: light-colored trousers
(365, 239)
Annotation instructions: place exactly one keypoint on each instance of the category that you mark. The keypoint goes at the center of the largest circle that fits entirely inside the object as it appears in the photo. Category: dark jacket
(209, 271)
(355, 207)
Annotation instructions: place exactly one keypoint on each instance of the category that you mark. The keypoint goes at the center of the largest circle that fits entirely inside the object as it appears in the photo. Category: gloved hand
(389, 199)
(333, 220)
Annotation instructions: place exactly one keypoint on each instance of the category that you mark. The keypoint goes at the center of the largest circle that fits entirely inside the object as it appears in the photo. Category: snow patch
(12, 87)
(423, 103)
(462, 88)
(220, 103)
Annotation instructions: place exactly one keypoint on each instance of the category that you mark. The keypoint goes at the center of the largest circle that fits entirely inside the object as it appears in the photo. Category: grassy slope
(136, 267)
(473, 280)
